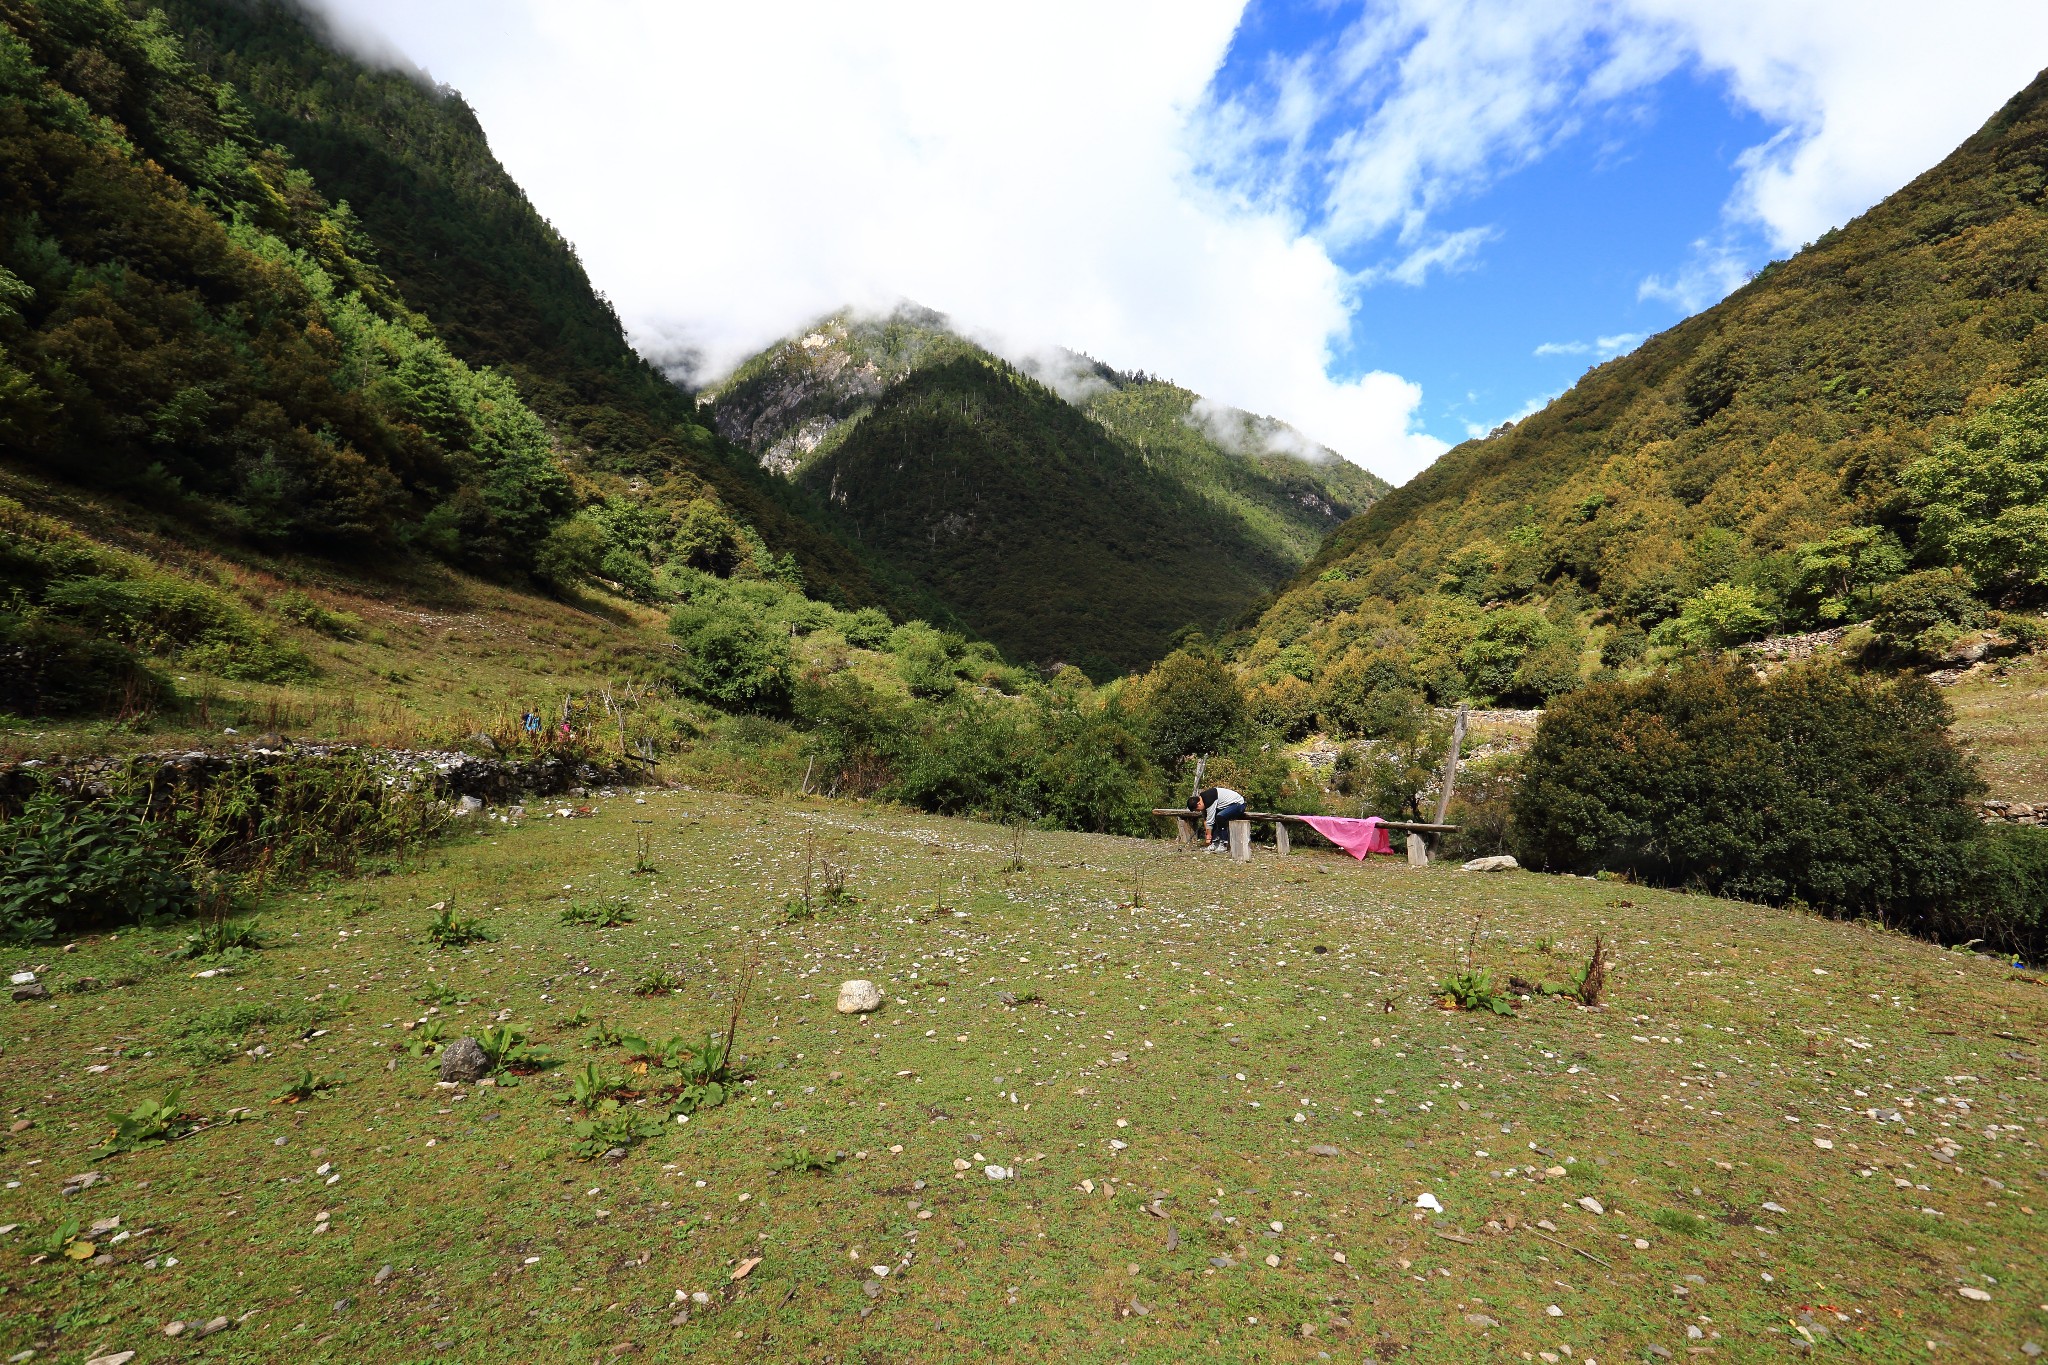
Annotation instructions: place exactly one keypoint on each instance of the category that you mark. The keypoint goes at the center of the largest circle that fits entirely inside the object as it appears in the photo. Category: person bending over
(1222, 806)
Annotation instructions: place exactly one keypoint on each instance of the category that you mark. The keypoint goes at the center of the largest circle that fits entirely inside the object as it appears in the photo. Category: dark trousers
(1219, 828)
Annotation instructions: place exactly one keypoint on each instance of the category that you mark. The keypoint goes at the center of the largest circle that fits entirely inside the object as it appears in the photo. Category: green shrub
(1983, 493)
(853, 733)
(1368, 695)
(868, 628)
(969, 757)
(165, 617)
(731, 659)
(1837, 576)
(290, 820)
(2008, 901)
(1843, 791)
(1094, 771)
(1493, 660)
(923, 664)
(48, 669)
(631, 572)
(68, 864)
(1188, 704)
(1717, 617)
(1286, 706)
(1922, 612)
(302, 610)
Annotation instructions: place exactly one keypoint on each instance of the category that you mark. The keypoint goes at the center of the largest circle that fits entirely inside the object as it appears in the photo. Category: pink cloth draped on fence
(1356, 837)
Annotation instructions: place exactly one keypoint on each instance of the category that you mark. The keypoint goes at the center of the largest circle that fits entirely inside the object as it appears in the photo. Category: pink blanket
(1356, 837)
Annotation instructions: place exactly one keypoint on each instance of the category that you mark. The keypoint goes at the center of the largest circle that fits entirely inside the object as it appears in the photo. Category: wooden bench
(1187, 823)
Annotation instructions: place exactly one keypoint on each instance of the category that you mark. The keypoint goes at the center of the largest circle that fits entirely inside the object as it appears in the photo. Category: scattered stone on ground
(464, 1060)
(858, 997)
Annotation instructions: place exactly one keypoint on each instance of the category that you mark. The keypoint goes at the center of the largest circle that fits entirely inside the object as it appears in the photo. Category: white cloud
(730, 172)
(1867, 93)
(1475, 430)
(1605, 347)
(1424, 103)
(1066, 176)
(1707, 276)
(1450, 253)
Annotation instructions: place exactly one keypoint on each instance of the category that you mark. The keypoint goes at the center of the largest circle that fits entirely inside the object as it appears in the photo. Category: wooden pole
(1450, 778)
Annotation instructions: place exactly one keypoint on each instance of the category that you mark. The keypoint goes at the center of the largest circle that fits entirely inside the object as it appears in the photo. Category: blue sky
(1573, 238)
(1391, 223)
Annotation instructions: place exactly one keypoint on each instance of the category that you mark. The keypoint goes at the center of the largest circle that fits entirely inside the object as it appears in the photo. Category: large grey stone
(464, 1060)
(1504, 862)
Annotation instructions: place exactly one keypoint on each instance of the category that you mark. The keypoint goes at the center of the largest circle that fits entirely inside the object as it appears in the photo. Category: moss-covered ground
(1221, 1089)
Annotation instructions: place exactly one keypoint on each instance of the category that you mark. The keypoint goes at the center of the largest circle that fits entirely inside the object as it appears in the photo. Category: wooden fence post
(1241, 841)
(1446, 786)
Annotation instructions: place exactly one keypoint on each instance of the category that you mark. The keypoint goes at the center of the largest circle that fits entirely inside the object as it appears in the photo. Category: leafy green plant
(62, 1242)
(604, 1035)
(1589, 983)
(449, 930)
(598, 914)
(707, 1075)
(643, 856)
(426, 1038)
(151, 1121)
(506, 1049)
(304, 1088)
(440, 993)
(806, 1161)
(660, 981)
(576, 1020)
(223, 938)
(614, 1127)
(588, 1087)
(67, 864)
(1474, 990)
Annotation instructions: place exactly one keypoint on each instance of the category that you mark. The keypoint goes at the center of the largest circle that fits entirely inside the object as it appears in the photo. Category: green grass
(2002, 716)
(1193, 1029)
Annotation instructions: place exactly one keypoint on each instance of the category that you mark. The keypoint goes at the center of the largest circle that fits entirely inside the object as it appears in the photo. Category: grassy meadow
(1217, 1092)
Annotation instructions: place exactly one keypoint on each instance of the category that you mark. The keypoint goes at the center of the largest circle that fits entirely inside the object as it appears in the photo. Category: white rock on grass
(1503, 863)
(858, 997)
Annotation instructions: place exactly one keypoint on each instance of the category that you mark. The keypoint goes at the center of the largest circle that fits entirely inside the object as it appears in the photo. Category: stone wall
(2014, 812)
(453, 774)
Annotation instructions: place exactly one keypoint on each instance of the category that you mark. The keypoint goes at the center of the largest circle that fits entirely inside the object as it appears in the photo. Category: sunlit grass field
(1221, 1091)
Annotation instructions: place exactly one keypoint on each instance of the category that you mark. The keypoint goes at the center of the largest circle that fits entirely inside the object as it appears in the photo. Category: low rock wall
(449, 773)
(2014, 812)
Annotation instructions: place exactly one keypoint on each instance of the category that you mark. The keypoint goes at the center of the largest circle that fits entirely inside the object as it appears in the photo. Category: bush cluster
(1840, 791)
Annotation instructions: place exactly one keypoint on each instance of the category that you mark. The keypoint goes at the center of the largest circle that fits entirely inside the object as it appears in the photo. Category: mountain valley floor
(1216, 1094)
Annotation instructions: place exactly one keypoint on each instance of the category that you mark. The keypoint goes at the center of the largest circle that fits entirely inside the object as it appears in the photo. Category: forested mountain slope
(1031, 523)
(497, 283)
(1250, 498)
(186, 317)
(1793, 450)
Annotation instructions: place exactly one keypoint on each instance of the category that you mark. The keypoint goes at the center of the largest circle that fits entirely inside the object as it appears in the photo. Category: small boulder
(464, 1060)
(858, 997)
(34, 990)
(467, 806)
(1504, 862)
